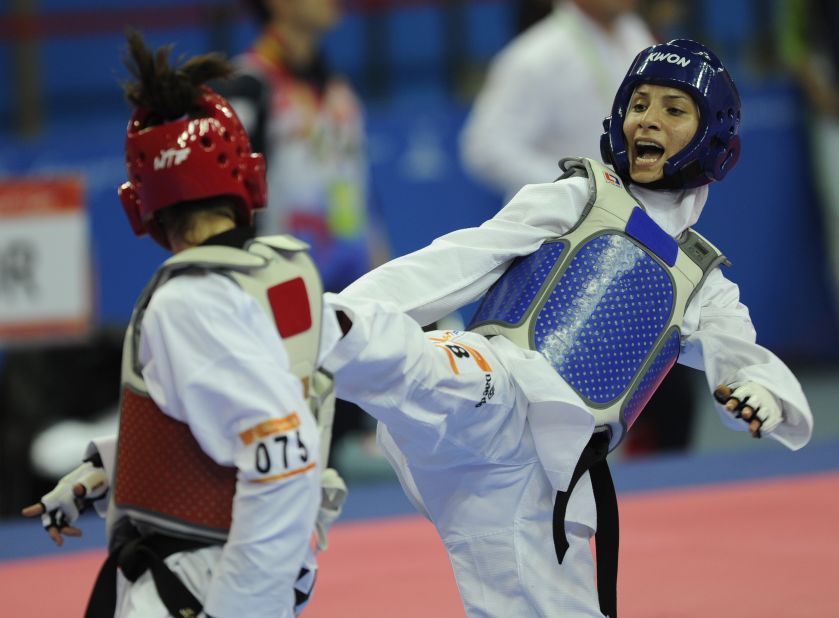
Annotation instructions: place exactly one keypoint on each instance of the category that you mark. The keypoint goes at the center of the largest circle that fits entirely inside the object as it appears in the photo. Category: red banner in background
(45, 266)
(29, 198)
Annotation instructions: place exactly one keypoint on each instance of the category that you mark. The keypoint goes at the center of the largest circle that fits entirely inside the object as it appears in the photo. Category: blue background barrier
(763, 216)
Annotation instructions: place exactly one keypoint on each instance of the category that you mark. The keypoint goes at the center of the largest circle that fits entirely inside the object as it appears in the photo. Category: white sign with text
(45, 267)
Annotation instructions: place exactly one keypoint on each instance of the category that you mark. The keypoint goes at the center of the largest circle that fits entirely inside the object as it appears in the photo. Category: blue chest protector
(604, 302)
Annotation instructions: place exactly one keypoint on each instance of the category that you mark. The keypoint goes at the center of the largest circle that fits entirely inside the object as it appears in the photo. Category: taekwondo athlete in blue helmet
(593, 286)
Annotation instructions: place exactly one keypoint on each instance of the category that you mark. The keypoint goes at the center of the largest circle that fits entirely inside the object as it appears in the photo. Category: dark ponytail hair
(168, 92)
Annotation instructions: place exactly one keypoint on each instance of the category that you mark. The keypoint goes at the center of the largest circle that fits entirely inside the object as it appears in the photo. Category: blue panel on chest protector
(646, 231)
(508, 300)
(604, 316)
(659, 368)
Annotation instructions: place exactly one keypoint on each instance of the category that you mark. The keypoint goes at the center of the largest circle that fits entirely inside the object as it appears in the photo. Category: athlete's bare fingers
(33, 510)
(732, 404)
(722, 393)
(55, 535)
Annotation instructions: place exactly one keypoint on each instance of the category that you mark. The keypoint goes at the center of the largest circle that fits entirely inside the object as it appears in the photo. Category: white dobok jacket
(481, 433)
(212, 359)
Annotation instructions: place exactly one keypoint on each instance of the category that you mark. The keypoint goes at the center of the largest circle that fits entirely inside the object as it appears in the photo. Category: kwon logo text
(170, 158)
(671, 58)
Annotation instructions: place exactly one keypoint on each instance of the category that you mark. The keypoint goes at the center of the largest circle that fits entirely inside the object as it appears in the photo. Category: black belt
(136, 557)
(593, 460)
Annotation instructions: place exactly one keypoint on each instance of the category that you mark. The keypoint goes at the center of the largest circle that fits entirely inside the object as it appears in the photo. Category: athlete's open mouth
(648, 151)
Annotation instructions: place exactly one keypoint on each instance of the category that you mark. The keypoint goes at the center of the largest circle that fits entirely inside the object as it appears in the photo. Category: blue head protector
(695, 69)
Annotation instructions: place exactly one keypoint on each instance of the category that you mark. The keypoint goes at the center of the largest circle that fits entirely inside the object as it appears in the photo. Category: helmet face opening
(694, 69)
(188, 159)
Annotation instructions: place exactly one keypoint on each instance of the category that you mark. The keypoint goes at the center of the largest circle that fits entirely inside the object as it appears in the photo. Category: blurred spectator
(529, 115)
(810, 50)
(308, 122)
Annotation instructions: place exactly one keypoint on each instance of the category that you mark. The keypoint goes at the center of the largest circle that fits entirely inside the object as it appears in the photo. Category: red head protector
(203, 155)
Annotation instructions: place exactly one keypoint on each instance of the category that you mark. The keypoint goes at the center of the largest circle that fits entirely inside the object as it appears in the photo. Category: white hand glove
(63, 504)
(751, 401)
(333, 494)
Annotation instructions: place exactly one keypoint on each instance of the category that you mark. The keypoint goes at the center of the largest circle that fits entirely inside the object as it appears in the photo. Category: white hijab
(673, 211)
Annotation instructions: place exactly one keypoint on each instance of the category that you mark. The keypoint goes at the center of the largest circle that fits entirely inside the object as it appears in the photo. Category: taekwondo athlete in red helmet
(215, 480)
(593, 286)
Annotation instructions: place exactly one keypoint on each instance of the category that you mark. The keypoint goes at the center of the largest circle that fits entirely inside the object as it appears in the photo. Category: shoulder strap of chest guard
(605, 188)
(277, 272)
(604, 182)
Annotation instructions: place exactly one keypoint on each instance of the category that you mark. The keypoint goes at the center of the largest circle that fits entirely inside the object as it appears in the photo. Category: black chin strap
(593, 460)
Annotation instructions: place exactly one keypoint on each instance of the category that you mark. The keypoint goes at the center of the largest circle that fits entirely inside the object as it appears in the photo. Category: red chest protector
(163, 479)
